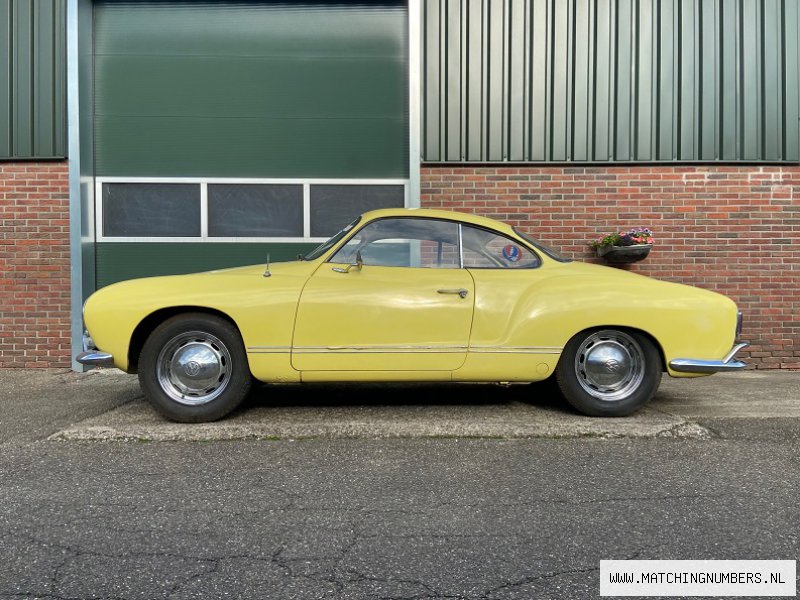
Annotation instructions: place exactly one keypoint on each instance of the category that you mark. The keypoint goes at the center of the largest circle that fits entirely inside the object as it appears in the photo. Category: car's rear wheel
(193, 368)
(609, 372)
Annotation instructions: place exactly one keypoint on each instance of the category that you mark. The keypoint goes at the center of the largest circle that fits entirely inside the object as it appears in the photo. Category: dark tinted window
(334, 206)
(151, 210)
(241, 210)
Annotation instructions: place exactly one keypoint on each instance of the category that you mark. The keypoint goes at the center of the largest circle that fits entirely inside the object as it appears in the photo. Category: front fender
(261, 308)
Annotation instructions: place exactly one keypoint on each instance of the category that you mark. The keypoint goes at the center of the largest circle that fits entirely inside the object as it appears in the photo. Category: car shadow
(542, 394)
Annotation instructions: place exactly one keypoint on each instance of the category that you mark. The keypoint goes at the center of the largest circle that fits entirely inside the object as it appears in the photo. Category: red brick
(34, 239)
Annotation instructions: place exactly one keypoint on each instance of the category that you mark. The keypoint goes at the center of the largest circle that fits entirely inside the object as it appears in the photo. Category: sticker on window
(512, 253)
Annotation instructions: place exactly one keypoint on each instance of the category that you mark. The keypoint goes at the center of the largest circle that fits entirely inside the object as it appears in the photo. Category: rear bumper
(91, 356)
(693, 365)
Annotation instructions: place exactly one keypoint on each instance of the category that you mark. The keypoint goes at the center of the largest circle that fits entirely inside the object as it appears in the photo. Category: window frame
(524, 244)
(204, 182)
(343, 242)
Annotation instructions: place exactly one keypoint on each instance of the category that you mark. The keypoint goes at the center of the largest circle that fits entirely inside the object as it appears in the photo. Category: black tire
(193, 368)
(609, 372)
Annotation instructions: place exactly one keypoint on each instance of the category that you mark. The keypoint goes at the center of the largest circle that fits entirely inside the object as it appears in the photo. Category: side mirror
(359, 264)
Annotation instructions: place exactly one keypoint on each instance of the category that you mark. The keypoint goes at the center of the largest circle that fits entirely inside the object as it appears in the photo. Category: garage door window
(151, 209)
(214, 210)
(255, 210)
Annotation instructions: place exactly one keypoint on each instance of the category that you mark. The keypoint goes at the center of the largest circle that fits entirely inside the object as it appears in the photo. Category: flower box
(625, 247)
(621, 255)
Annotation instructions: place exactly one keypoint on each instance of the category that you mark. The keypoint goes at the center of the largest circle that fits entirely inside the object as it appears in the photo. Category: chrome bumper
(692, 365)
(91, 356)
(95, 358)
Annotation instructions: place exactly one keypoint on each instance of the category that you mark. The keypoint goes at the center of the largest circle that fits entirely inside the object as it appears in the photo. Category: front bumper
(693, 365)
(91, 356)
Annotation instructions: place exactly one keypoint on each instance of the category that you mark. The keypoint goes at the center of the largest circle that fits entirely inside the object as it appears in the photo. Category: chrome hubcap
(610, 365)
(194, 368)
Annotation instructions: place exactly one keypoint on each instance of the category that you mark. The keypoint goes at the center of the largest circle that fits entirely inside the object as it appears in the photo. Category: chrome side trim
(460, 249)
(403, 349)
(269, 349)
(515, 350)
(378, 349)
(95, 358)
(692, 365)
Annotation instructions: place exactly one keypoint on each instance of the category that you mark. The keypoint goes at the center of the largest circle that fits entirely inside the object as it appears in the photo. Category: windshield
(325, 246)
(540, 246)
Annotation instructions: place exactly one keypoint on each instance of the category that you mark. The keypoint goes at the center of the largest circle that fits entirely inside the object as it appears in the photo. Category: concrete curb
(449, 410)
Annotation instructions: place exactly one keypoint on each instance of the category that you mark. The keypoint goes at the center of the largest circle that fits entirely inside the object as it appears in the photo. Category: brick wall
(735, 230)
(34, 265)
(732, 229)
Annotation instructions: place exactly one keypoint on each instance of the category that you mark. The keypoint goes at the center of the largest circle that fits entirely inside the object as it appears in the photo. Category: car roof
(439, 214)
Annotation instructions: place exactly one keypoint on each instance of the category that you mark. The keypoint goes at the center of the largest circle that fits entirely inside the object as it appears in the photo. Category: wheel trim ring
(603, 347)
(177, 385)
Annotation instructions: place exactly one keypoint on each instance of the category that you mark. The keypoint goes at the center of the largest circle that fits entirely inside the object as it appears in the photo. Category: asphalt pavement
(390, 492)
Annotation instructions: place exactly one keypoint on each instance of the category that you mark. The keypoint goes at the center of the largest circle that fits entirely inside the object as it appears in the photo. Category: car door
(394, 298)
(505, 340)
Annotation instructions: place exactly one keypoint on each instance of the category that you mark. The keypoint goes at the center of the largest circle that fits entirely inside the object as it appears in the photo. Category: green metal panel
(32, 79)
(708, 85)
(582, 84)
(790, 78)
(6, 71)
(643, 95)
(730, 83)
(611, 80)
(537, 108)
(623, 81)
(118, 261)
(251, 90)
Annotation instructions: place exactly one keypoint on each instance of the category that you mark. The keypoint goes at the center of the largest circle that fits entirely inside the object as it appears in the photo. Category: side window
(420, 243)
(488, 250)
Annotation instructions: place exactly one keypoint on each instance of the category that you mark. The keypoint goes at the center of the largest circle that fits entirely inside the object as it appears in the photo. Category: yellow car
(410, 295)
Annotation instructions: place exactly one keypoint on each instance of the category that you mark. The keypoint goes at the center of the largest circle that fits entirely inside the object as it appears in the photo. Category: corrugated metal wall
(611, 80)
(32, 79)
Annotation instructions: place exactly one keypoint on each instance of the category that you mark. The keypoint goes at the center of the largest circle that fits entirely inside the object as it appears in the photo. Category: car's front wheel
(193, 368)
(609, 372)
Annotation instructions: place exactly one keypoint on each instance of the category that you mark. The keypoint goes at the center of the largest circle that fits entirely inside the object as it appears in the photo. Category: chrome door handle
(460, 291)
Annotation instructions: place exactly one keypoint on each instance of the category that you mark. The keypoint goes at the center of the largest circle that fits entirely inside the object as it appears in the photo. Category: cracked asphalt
(354, 516)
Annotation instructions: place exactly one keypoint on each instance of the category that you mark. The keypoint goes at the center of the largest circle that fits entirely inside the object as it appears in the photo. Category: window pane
(488, 250)
(334, 206)
(422, 243)
(151, 210)
(244, 210)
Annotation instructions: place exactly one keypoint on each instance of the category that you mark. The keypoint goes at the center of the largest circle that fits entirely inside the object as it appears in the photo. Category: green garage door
(227, 130)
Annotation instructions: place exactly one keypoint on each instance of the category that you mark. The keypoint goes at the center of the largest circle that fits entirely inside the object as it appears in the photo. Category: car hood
(289, 268)
(214, 289)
